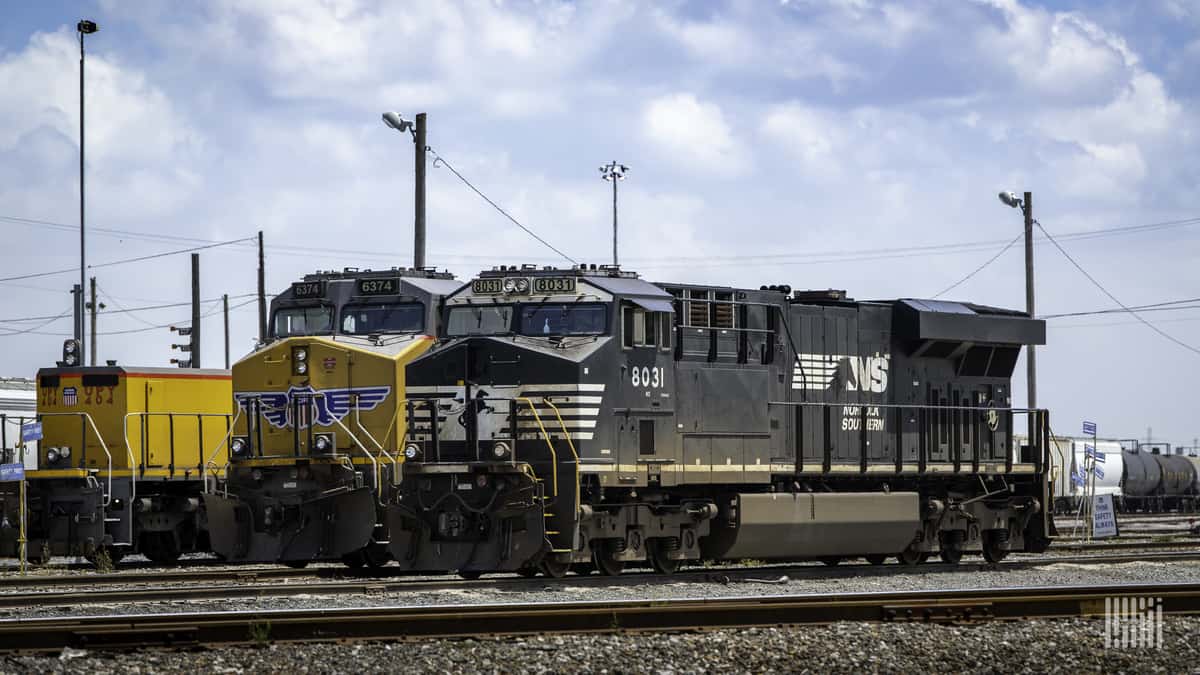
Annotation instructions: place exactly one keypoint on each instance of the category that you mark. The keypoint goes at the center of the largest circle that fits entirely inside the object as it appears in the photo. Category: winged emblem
(326, 406)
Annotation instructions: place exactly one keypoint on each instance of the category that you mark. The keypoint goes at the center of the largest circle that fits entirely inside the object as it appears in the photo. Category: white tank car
(1068, 456)
(18, 404)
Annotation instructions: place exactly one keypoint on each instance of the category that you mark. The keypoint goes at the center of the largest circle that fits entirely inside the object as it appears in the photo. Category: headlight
(301, 354)
(510, 285)
(301, 367)
(299, 360)
(323, 443)
(70, 359)
(238, 447)
(64, 452)
(500, 450)
(522, 285)
(52, 455)
(412, 451)
(256, 474)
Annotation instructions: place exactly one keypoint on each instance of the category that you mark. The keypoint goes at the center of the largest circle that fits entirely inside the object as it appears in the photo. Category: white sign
(1104, 516)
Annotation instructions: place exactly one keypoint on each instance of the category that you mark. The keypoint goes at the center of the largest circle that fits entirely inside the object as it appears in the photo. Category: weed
(260, 633)
(104, 563)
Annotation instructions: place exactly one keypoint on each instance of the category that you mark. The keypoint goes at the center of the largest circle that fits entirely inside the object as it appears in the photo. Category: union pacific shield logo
(327, 406)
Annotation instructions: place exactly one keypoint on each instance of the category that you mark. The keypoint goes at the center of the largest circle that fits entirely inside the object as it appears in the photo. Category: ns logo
(868, 373)
(851, 372)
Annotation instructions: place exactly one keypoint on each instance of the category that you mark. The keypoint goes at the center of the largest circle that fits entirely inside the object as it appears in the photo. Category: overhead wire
(163, 254)
(979, 269)
(1112, 297)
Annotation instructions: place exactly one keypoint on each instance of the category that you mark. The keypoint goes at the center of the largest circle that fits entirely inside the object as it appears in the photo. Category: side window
(639, 328)
(628, 323)
(667, 331)
(650, 332)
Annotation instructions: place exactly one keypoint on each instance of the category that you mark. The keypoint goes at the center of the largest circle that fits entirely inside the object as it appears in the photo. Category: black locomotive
(587, 417)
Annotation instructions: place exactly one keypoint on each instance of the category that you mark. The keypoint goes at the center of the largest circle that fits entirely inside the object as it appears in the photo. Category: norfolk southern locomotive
(586, 417)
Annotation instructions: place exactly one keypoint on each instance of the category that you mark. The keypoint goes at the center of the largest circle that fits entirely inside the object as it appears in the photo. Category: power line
(438, 158)
(32, 329)
(126, 260)
(1112, 297)
(1153, 307)
(134, 309)
(979, 269)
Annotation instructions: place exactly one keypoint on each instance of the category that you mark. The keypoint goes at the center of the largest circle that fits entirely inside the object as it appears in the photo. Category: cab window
(303, 321)
(560, 319)
(387, 318)
(640, 328)
(479, 320)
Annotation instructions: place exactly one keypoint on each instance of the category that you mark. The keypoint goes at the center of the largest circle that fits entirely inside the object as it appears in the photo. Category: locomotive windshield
(303, 321)
(406, 317)
(479, 320)
(562, 319)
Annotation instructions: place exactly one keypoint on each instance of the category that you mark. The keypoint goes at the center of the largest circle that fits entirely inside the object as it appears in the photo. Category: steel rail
(442, 621)
(351, 582)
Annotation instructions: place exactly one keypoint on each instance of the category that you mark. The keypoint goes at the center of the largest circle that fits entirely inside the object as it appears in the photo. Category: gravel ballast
(1060, 646)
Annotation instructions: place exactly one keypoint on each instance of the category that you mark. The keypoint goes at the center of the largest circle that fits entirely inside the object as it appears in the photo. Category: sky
(852, 144)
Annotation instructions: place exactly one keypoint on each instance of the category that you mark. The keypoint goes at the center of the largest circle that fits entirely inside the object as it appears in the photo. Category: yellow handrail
(570, 444)
(553, 453)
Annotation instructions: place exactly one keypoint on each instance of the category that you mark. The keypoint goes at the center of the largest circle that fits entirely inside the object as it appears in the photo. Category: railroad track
(357, 584)
(407, 622)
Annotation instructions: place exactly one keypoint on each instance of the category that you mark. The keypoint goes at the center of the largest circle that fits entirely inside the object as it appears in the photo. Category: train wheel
(659, 559)
(376, 556)
(831, 560)
(876, 559)
(470, 575)
(909, 557)
(159, 547)
(354, 560)
(993, 547)
(951, 555)
(555, 569)
(528, 572)
(602, 558)
(296, 564)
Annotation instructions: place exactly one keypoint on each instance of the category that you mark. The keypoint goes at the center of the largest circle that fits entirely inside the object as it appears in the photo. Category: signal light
(184, 331)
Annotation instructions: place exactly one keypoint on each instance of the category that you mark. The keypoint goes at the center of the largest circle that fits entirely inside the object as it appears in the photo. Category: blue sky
(804, 142)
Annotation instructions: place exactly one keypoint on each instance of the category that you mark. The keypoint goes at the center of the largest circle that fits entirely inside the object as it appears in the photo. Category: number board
(554, 284)
(383, 286)
(487, 286)
(302, 290)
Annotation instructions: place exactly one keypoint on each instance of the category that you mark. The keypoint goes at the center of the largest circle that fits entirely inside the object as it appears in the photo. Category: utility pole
(262, 294)
(84, 27)
(419, 199)
(77, 298)
(614, 173)
(225, 306)
(195, 310)
(1031, 361)
(93, 307)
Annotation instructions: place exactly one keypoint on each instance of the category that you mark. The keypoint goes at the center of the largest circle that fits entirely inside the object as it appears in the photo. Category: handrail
(367, 452)
(570, 444)
(383, 450)
(103, 445)
(225, 441)
(549, 444)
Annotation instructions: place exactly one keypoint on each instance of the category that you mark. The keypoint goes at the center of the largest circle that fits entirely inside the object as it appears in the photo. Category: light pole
(1026, 204)
(395, 121)
(84, 27)
(614, 173)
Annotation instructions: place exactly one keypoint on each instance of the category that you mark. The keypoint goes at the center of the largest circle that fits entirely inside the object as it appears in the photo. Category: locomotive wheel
(951, 554)
(659, 560)
(993, 548)
(876, 559)
(376, 556)
(528, 572)
(602, 558)
(296, 564)
(831, 560)
(909, 557)
(354, 560)
(555, 569)
(160, 547)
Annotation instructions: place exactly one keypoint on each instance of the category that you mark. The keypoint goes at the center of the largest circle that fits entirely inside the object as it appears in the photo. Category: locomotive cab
(317, 440)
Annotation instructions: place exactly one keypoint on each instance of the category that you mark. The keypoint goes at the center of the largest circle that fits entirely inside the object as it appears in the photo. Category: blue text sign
(31, 432)
(9, 472)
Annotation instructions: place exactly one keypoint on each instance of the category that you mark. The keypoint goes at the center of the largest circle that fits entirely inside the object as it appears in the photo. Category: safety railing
(86, 421)
(210, 459)
(146, 440)
(959, 432)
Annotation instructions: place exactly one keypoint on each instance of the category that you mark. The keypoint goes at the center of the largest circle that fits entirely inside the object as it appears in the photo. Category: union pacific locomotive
(317, 439)
(587, 417)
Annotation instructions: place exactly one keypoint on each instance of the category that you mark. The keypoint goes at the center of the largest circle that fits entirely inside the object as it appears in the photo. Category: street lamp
(84, 27)
(395, 121)
(614, 173)
(1026, 205)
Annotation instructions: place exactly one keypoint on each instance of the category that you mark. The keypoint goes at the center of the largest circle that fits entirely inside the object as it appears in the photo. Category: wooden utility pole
(92, 307)
(419, 199)
(225, 306)
(262, 292)
(195, 310)
(1031, 361)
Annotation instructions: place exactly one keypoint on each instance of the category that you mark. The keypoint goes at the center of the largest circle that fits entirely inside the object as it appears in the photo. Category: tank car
(123, 459)
(317, 440)
(588, 417)
(1068, 457)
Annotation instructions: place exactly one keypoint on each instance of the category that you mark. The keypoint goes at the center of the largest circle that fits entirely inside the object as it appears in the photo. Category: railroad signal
(184, 331)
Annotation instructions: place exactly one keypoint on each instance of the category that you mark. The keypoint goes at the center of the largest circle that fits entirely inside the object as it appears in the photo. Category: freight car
(1155, 480)
(1068, 458)
(587, 417)
(318, 436)
(121, 464)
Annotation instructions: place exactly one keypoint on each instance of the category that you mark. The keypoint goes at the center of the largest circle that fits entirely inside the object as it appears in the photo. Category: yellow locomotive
(321, 418)
(122, 460)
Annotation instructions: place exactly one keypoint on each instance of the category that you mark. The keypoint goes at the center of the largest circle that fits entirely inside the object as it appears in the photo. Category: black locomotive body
(588, 417)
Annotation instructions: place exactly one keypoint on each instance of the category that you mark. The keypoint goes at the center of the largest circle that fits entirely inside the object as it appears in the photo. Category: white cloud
(694, 134)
